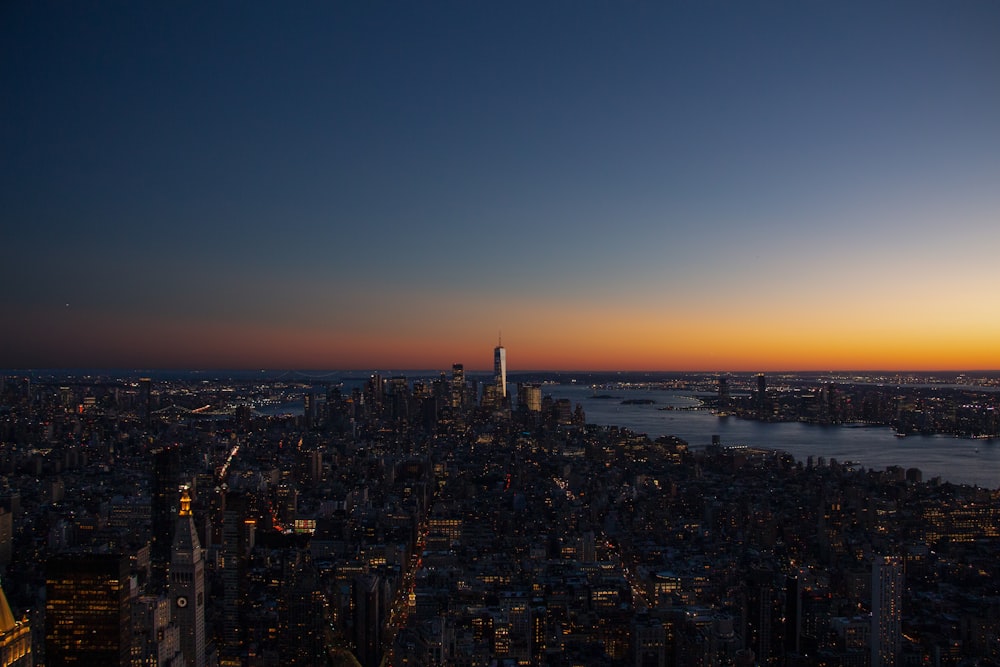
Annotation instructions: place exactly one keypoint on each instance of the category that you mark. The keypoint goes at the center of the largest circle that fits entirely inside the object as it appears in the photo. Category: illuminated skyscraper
(88, 619)
(15, 638)
(457, 398)
(887, 600)
(529, 397)
(187, 585)
(500, 369)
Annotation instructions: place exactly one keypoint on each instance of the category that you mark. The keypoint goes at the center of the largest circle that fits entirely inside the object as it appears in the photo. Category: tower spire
(500, 367)
(185, 501)
(187, 584)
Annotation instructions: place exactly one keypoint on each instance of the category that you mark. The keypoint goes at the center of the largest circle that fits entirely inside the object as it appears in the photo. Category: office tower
(398, 399)
(759, 613)
(187, 585)
(457, 386)
(156, 639)
(500, 369)
(164, 505)
(529, 397)
(301, 620)
(368, 618)
(87, 614)
(761, 396)
(887, 600)
(375, 394)
(15, 637)
(66, 398)
(309, 409)
(723, 393)
(793, 615)
(236, 544)
(649, 641)
(286, 503)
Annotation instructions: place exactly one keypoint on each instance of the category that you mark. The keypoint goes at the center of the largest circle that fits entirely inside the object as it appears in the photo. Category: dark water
(956, 460)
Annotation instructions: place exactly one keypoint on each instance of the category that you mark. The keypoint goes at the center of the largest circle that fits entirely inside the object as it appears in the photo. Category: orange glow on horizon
(537, 337)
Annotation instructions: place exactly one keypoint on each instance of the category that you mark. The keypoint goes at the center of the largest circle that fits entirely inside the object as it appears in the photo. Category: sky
(689, 185)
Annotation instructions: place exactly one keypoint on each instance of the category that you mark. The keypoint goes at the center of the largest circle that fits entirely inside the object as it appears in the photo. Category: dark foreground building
(87, 615)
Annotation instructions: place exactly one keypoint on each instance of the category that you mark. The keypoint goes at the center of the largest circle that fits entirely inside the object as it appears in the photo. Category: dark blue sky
(379, 184)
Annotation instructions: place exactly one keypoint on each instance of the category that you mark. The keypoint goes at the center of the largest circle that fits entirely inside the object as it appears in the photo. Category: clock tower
(187, 585)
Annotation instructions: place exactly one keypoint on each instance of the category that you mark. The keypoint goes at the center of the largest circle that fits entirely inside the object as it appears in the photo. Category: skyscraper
(187, 585)
(88, 620)
(723, 393)
(368, 619)
(529, 397)
(15, 638)
(500, 368)
(761, 397)
(457, 397)
(887, 599)
(237, 532)
(163, 510)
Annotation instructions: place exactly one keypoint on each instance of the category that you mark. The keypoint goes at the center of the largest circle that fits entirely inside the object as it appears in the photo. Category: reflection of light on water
(956, 460)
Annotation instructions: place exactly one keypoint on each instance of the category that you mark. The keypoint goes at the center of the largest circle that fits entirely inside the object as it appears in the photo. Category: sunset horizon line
(485, 370)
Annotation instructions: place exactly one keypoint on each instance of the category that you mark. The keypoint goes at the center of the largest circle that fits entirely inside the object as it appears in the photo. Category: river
(956, 460)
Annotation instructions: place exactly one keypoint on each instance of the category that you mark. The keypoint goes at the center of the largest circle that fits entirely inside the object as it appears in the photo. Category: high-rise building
(301, 626)
(375, 394)
(156, 639)
(529, 397)
(500, 368)
(236, 542)
(457, 398)
(187, 585)
(164, 505)
(87, 613)
(368, 618)
(793, 615)
(761, 397)
(309, 409)
(887, 601)
(759, 613)
(15, 638)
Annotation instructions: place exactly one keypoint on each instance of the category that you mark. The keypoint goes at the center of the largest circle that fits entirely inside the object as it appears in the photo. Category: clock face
(182, 601)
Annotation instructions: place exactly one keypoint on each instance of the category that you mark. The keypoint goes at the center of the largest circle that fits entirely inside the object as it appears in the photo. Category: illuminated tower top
(187, 584)
(185, 501)
(500, 367)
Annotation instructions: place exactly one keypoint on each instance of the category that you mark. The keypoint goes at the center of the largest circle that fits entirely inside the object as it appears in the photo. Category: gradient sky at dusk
(667, 186)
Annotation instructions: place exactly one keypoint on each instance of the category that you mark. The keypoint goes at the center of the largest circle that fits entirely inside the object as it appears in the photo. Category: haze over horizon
(766, 186)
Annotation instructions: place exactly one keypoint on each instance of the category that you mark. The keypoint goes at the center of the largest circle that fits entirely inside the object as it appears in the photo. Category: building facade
(87, 611)
(187, 585)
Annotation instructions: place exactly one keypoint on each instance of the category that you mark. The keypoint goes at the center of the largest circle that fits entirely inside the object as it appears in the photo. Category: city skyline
(688, 186)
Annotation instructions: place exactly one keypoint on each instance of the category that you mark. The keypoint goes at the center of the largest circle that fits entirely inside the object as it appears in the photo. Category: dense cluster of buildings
(452, 520)
(963, 410)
